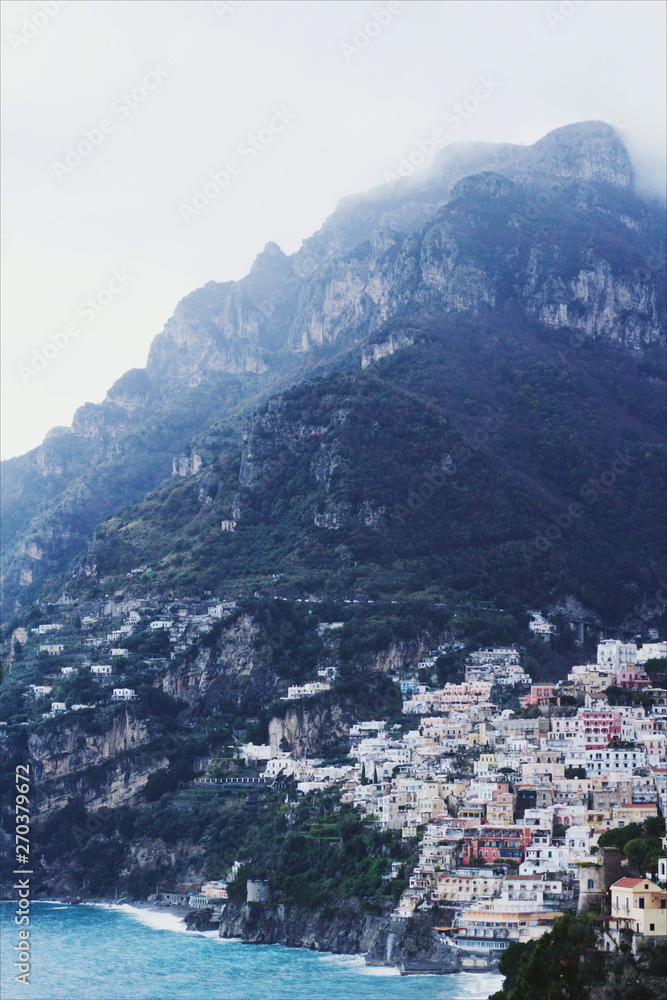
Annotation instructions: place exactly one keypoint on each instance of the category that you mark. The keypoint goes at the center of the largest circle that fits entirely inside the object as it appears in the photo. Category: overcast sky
(115, 111)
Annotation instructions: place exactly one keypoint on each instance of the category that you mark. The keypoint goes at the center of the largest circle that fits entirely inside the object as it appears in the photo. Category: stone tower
(596, 878)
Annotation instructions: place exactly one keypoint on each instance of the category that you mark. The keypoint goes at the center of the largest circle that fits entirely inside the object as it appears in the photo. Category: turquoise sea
(123, 953)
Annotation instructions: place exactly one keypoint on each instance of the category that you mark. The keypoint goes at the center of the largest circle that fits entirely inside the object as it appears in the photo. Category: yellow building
(467, 888)
(478, 929)
(638, 906)
(473, 812)
(635, 812)
(500, 811)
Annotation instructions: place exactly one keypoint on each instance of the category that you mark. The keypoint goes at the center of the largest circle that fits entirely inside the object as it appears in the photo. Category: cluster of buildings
(104, 631)
(508, 807)
(619, 664)
(497, 666)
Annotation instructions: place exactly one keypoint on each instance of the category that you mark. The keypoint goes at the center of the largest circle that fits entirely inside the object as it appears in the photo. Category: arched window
(591, 883)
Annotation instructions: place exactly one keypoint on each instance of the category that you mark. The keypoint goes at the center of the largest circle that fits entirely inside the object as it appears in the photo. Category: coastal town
(510, 809)
(508, 786)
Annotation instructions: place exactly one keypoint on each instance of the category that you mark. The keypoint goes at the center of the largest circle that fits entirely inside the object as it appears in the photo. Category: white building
(258, 752)
(545, 857)
(124, 694)
(296, 691)
(652, 651)
(328, 627)
(614, 761)
(539, 819)
(101, 670)
(540, 625)
(527, 892)
(616, 654)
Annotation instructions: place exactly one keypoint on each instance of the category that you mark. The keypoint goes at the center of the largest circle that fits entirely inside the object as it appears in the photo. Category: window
(651, 927)
(642, 903)
(591, 883)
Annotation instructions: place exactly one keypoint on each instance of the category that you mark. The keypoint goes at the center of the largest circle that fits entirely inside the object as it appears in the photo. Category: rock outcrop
(306, 727)
(100, 765)
(342, 929)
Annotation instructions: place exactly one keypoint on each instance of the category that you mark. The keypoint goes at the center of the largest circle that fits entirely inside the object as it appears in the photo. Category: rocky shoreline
(411, 945)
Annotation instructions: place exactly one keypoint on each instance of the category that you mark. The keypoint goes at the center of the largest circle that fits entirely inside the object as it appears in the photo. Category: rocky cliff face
(63, 878)
(482, 251)
(586, 151)
(551, 231)
(105, 768)
(406, 245)
(237, 664)
(341, 929)
(305, 728)
(345, 931)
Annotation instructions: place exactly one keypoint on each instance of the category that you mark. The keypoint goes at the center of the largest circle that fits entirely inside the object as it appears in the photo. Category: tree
(553, 968)
(656, 668)
(619, 838)
(654, 826)
(643, 853)
(510, 964)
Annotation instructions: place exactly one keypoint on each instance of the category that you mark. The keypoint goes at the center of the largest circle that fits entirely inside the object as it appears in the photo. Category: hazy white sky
(115, 111)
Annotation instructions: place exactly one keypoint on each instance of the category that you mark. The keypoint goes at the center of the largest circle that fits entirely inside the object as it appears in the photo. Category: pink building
(497, 843)
(631, 676)
(540, 694)
(596, 726)
(599, 725)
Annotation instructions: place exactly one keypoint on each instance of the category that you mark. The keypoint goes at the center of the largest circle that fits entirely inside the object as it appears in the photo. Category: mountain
(455, 386)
